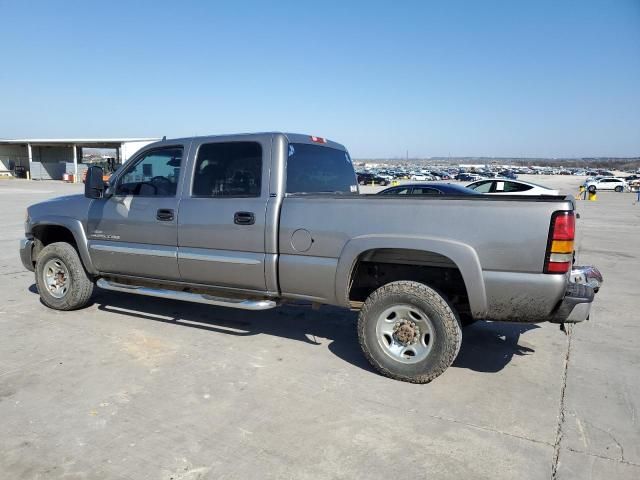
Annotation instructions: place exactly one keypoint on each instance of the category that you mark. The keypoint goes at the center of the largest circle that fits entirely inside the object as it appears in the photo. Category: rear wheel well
(375, 268)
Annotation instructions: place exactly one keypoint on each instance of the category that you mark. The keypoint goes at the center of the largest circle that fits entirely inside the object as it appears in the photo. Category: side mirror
(94, 184)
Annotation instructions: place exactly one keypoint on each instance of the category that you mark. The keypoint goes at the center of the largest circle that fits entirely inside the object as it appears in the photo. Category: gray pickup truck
(250, 221)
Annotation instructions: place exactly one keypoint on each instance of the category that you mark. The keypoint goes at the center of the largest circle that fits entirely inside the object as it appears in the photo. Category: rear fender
(461, 254)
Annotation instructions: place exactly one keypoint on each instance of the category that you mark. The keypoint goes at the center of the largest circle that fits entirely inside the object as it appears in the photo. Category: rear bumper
(26, 250)
(576, 304)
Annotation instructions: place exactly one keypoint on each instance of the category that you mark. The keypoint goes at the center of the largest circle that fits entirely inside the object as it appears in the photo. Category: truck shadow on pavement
(486, 346)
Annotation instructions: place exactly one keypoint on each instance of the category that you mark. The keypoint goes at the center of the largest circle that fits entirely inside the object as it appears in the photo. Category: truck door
(134, 231)
(221, 221)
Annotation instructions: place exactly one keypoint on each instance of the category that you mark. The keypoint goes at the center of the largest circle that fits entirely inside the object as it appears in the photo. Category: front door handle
(164, 215)
(244, 218)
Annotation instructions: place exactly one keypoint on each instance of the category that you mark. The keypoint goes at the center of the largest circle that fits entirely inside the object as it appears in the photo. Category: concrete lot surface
(143, 388)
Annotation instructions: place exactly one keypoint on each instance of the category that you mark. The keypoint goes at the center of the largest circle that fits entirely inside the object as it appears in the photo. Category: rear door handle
(164, 214)
(244, 218)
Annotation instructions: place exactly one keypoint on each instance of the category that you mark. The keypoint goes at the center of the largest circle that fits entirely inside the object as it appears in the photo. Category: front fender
(77, 230)
(463, 255)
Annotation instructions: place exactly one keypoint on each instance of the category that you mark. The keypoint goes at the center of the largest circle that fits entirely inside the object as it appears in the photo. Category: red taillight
(564, 226)
(318, 139)
(558, 267)
(560, 244)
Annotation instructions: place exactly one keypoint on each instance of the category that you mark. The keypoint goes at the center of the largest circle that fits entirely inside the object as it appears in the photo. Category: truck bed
(485, 237)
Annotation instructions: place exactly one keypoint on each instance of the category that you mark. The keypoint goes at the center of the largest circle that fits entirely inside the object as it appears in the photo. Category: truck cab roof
(291, 138)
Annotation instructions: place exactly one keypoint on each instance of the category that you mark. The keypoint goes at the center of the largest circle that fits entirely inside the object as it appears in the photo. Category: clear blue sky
(537, 78)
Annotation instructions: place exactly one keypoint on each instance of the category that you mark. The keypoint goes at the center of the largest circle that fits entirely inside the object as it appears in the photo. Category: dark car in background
(508, 174)
(466, 177)
(370, 178)
(430, 189)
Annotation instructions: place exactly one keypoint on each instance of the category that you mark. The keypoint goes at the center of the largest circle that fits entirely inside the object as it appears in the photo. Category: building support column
(30, 155)
(75, 164)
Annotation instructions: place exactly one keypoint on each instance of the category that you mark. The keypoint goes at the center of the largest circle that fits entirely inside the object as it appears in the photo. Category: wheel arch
(440, 252)
(63, 229)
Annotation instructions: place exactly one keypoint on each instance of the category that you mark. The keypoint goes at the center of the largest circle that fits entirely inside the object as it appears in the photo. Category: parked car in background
(428, 189)
(508, 174)
(606, 183)
(467, 177)
(499, 186)
(421, 177)
(370, 178)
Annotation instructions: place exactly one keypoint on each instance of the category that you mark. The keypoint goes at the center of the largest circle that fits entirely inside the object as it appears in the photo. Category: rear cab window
(516, 187)
(319, 169)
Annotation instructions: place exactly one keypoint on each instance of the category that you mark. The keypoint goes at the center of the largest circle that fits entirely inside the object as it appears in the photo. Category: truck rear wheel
(409, 332)
(62, 282)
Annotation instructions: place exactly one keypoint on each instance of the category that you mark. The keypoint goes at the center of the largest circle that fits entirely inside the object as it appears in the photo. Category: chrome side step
(245, 304)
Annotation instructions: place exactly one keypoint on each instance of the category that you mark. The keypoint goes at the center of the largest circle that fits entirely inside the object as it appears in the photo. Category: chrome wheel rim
(405, 333)
(55, 276)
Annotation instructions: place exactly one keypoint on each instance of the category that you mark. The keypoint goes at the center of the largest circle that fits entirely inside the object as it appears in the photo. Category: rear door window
(317, 169)
(482, 187)
(424, 191)
(397, 191)
(228, 169)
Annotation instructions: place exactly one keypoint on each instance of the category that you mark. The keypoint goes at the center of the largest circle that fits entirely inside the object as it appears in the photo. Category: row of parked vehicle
(496, 186)
(384, 178)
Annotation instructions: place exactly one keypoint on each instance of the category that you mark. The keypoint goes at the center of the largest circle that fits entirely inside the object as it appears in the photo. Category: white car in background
(505, 186)
(607, 183)
(421, 177)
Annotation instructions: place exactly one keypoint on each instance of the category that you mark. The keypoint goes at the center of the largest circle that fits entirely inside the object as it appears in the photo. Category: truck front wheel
(62, 282)
(409, 332)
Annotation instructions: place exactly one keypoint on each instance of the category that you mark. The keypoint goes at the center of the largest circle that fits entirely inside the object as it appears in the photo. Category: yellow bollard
(581, 195)
(592, 196)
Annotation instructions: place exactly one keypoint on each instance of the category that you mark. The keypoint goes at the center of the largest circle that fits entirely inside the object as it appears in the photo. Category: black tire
(79, 286)
(592, 188)
(619, 189)
(444, 322)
